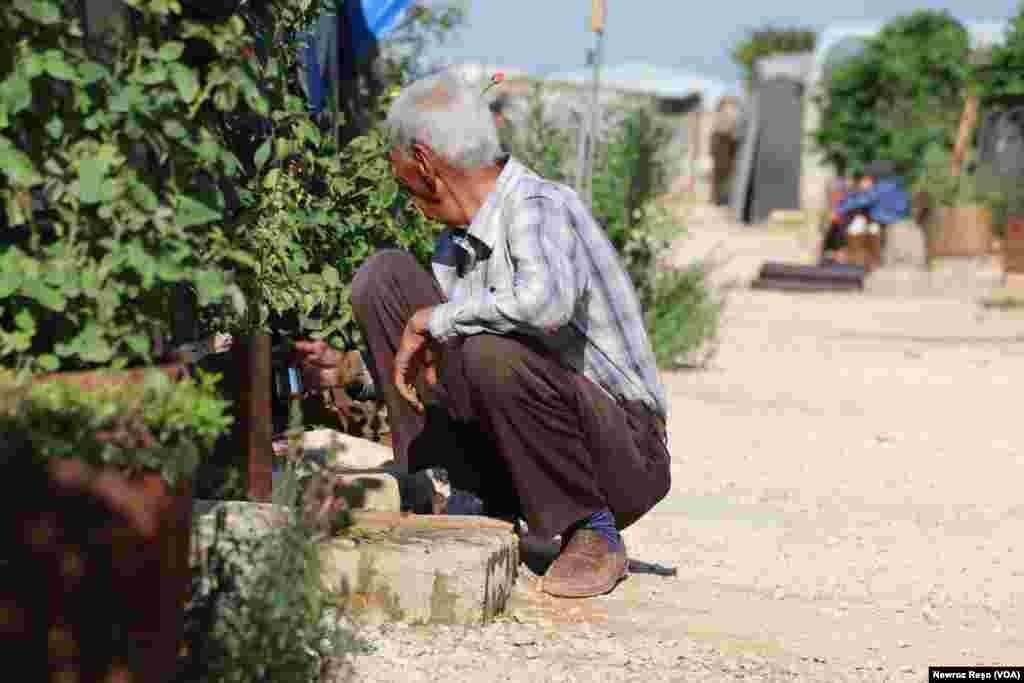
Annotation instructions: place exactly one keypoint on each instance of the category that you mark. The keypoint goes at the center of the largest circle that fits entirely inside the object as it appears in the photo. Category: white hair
(448, 114)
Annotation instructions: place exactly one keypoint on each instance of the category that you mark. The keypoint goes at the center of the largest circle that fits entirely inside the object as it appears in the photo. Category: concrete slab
(423, 569)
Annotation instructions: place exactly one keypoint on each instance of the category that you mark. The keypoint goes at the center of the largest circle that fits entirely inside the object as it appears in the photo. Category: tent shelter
(768, 174)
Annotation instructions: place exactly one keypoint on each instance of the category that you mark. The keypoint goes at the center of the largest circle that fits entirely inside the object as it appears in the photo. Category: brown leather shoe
(587, 567)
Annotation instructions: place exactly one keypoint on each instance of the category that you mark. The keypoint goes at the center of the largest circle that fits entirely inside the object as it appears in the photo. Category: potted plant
(134, 443)
(1012, 237)
(957, 215)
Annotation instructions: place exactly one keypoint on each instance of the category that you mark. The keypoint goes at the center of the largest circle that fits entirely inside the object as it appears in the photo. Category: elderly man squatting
(529, 337)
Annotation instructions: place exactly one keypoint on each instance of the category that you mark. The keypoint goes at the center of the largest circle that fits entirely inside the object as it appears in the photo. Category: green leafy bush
(629, 174)
(683, 319)
(106, 161)
(904, 92)
(1002, 78)
(310, 225)
(152, 426)
(316, 205)
(259, 611)
(937, 185)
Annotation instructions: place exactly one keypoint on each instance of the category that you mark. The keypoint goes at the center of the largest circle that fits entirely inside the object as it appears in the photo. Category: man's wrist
(441, 323)
(420, 322)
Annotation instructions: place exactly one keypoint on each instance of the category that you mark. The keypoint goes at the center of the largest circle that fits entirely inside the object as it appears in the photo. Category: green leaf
(91, 174)
(138, 343)
(17, 166)
(58, 68)
(272, 177)
(146, 198)
(10, 281)
(185, 81)
(263, 154)
(90, 72)
(241, 257)
(190, 212)
(43, 295)
(48, 362)
(174, 130)
(153, 75)
(24, 321)
(55, 127)
(127, 98)
(44, 12)
(16, 94)
(90, 345)
(308, 132)
(331, 276)
(172, 51)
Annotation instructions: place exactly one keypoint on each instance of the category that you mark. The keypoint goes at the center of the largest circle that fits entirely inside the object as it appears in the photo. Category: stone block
(423, 569)
(343, 452)
(905, 245)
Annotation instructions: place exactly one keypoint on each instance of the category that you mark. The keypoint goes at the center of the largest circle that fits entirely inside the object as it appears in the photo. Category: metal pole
(581, 153)
(595, 118)
(599, 13)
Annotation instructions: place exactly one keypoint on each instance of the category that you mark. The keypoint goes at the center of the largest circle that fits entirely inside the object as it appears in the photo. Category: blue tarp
(370, 20)
(364, 23)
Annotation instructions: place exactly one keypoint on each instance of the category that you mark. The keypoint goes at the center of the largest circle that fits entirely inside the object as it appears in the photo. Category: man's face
(422, 177)
(866, 183)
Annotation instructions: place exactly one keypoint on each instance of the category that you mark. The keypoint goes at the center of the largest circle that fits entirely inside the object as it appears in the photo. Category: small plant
(937, 184)
(154, 426)
(771, 40)
(683, 319)
(260, 613)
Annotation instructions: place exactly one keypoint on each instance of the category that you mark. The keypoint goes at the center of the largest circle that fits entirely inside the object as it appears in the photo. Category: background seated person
(883, 200)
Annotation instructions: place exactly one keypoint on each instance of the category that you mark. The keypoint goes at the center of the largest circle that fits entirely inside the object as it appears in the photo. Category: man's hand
(414, 355)
(321, 365)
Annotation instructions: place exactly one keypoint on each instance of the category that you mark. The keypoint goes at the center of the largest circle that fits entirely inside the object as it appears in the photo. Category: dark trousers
(510, 423)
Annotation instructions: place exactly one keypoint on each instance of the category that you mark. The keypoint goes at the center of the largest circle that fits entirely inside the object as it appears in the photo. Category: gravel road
(846, 506)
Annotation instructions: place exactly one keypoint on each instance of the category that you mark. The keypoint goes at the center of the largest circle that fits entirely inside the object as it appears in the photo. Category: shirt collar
(484, 227)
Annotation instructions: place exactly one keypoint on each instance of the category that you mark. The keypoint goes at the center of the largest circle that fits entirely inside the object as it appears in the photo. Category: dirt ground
(847, 504)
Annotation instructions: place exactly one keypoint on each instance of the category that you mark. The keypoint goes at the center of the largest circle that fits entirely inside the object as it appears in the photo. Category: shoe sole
(590, 594)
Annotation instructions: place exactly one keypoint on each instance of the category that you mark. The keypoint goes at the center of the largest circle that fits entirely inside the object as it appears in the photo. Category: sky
(542, 36)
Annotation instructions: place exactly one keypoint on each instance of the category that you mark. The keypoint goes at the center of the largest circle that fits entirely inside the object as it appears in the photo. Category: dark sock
(464, 503)
(602, 522)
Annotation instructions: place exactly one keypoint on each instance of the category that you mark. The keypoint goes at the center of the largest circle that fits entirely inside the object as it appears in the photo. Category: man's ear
(426, 165)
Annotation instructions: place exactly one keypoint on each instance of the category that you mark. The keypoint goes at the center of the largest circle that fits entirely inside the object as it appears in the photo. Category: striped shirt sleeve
(545, 288)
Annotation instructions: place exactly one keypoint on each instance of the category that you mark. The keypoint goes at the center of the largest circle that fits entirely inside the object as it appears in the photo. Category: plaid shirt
(534, 261)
